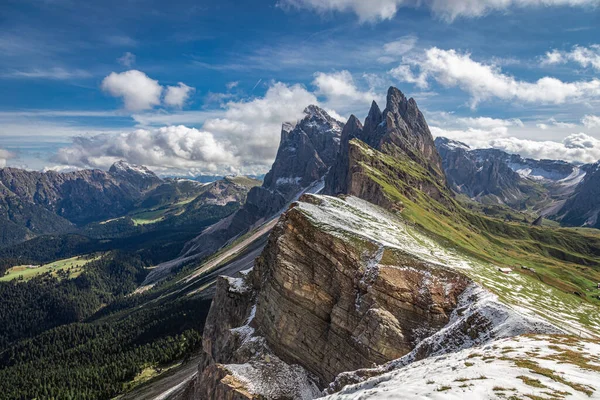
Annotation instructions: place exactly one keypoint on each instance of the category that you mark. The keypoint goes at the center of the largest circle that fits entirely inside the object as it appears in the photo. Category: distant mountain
(583, 207)
(495, 177)
(38, 203)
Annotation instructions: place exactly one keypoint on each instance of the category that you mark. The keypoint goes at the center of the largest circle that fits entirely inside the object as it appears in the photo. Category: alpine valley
(371, 262)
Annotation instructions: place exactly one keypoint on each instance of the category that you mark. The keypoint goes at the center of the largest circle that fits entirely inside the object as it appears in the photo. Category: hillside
(393, 267)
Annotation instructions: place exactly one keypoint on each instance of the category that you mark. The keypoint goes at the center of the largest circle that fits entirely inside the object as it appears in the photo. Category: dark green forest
(84, 338)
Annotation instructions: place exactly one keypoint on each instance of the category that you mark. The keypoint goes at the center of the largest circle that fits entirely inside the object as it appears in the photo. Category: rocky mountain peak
(399, 131)
(136, 175)
(352, 128)
(306, 152)
(449, 144)
(123, 166)
(374, 118)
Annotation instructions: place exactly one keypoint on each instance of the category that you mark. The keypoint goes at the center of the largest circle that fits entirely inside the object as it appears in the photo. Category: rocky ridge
(401, 132)
(342, 285)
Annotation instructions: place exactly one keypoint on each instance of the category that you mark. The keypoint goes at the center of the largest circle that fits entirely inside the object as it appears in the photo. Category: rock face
(494, 176)
(306, 152)
(330, 293)
(400, 132)
(334, 307)
(583, 208)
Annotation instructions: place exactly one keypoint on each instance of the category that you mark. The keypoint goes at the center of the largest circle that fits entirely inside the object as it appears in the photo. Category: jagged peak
(124, 166)
(374, 110)
(286, 129)
(451, 144)
(374, 118)
(353, 121)
(316, 111)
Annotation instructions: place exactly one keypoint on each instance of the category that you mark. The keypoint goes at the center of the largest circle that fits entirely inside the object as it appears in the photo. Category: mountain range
(556, 190)
(43, 203)
(372, 262)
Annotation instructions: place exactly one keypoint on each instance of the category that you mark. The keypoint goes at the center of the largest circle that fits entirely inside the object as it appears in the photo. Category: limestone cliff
(342, 285)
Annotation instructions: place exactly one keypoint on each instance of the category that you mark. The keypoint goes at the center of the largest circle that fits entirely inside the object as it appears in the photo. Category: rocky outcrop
(330, 293)
(305, 153)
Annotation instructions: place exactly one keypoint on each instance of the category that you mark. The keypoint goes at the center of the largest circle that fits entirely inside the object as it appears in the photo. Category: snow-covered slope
(535, 367)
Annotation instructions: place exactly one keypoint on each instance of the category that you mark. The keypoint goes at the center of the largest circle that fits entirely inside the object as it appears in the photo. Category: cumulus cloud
(577, 147)
(257, 122)
(403, 73)
(242, 137)
(138, 91)
(176, 96)
(341, 91)
(584, 56)
(378, 10)
(486, 81)
(172, 147)
(127, 59)
(591, 121)
(5, 155)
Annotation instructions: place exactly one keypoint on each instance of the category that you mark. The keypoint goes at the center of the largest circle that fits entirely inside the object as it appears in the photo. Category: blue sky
(202, 87)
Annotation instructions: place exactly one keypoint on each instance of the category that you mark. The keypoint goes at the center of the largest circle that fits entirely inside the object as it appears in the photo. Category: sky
(202, 87)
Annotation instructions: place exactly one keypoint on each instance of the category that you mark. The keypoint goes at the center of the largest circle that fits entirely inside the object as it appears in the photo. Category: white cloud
(5, 155)
(256, 123)
(591, 121)
(485, 81)
(401, 46)
(173, 147)
(341, 91)
(56, 73)
(490, 123)
(553, 122)
(231, 85)
(403, 73)
(584, 56)
(578, 147)
(378, 10)
(241, 137)
(176, 96)
(127, 59)
(138, 91)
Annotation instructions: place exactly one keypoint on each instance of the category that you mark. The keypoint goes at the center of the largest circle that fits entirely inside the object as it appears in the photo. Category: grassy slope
(74, 265)
(565, 259)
